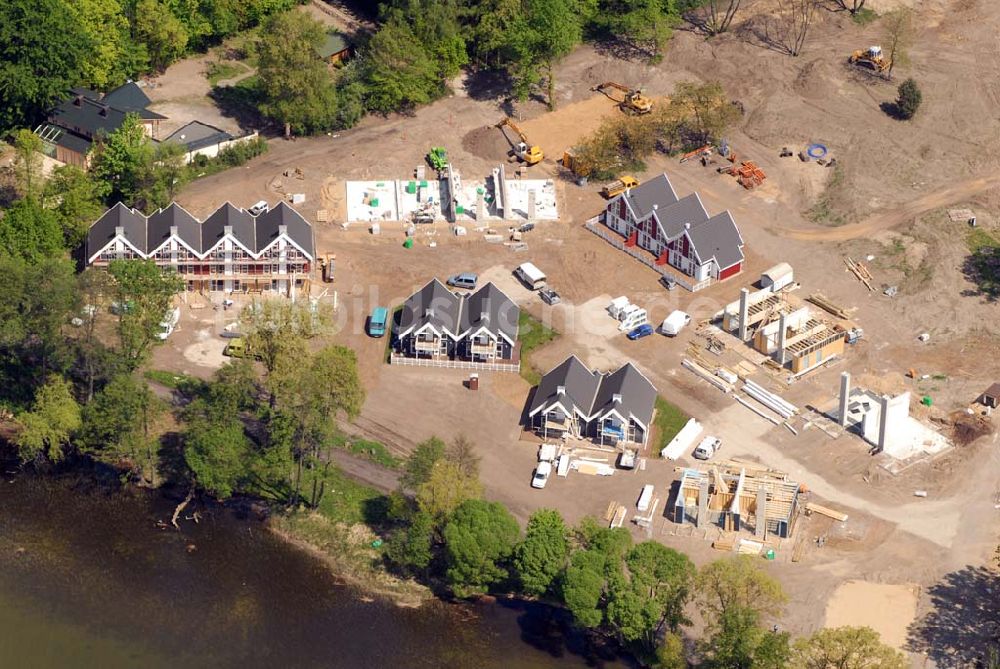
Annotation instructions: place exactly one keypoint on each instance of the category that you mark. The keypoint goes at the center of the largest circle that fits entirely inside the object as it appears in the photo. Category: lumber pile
(706, 375)
(748, 174)
(825, 304)
(824, 511)
(725, 544)
(860, 271)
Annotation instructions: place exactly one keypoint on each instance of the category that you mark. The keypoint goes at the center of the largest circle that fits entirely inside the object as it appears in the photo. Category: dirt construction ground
(886, 199)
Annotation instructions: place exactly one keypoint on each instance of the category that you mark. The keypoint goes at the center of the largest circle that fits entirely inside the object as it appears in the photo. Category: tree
(846, 648)
(53, 419)
(420, 464)
(297, 88)
(161, 33)
(124, 160)
(412, 547)
(670, 654)
(117, 426)
(665, 577)
(798, 17)
(445, 490)
(738, 642)
(541, 557)
(435, 25)
(719, 15)
(909, 99)
(144, 293)
(898, 34)
(478, 539)
(705, 109)
(276, 330)
(77, 201)
(31, 232)
(648, 24)
(583, 587)
(544, 33)
(217, 452)
(112, 57)
(398, 72)
(463, 453)
(28, 162)
(95, 362)
(737, 583)
(43, 49)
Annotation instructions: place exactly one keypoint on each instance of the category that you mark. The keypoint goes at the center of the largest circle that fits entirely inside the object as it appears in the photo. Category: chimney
(227, 230)
(560, 390)
(429, 312)
(687, 226)
(484, 316)
(655, 207)
(616, 398)
(78, 101)
(104, 111)
(173, 230)
(282, 229)
(119, 231)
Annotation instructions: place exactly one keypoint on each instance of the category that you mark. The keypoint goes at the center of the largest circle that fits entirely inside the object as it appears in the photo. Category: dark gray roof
(103, 229)
(127, 97)
(297, 228)
(656, 191)
(580, 386)
(638, 396)
(433, 304)
(673, 217)
(159, 224)
(196, 135)
(53, 134)
(718, 237)
(490, 307)
(242, 223)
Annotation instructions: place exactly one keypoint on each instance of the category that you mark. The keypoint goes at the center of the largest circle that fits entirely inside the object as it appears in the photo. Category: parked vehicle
(377, 321)
(674, 323)
(526, 227)
(530, 276)
(618, 187)
(465, 280)
(643, 330)
(668, 282)
(238, 348)
(627, 458)
(549, 296)
(169, 322)
(632, 317)
(708, 447)
(542, 473)
(258, 208)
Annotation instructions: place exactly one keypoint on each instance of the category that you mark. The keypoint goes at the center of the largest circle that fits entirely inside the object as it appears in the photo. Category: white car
(169, 322)
(541, 477)
(708, 447)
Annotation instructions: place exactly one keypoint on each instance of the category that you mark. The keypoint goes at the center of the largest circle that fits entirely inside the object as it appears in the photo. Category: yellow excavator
(871, 57)
(633, 103)
(530, 153)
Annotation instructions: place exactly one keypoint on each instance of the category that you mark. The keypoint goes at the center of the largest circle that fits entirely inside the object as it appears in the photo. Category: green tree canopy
(217, 454)
(144, 294)
(52, 421)
(420, 464)
(909, 99)
(77, 201)
(846, 648)
(43, 49)
(297, 88)
(412, 547)
(159, 32)
(737, 582)
(398, 72)
(542, 556)
(479, 539)
(113, 57)
(737, 641)
(31, 232)
(123, 160)
(445, 490)
(116, 426)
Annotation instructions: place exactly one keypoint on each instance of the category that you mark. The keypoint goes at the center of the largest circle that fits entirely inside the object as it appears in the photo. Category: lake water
(87, 579)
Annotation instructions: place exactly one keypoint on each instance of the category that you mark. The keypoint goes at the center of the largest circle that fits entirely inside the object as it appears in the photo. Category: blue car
(640, 332)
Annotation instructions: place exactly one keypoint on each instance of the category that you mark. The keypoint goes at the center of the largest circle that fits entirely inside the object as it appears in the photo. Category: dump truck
(524, 149)
(871, 57)
(634, 101)
(618, 187)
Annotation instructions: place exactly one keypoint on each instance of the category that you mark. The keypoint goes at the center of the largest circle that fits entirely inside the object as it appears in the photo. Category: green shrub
(909, 99)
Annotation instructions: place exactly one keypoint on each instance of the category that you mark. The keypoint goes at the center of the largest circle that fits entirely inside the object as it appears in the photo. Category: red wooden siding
(732, 270)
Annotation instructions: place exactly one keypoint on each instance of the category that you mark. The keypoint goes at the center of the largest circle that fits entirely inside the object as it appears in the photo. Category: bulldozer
(634, 101)
(871, 57)
(529, 153)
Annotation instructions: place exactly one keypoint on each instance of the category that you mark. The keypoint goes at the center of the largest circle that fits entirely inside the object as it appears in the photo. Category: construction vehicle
(618, 187)
(437, 158)
(871, 57)
(529, 153)
(634, 103)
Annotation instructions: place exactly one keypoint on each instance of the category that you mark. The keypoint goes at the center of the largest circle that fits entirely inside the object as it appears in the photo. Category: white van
(674, 323)
(531, 276)
(258, 209)
(169, 322)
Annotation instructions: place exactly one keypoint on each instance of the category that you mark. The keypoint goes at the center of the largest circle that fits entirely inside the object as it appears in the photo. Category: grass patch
(370, 450)
(823, 211)
(668, 422)
(219, 70)
(533, 334)
(188, 385)
(864, 16)
(343, 500)
(978, 239)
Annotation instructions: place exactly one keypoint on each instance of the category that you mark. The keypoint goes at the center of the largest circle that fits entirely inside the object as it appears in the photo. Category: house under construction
(775, 327)
(738, 497)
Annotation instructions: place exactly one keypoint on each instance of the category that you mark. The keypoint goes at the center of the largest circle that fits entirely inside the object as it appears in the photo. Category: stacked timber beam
(860, 271)
(825, 304)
